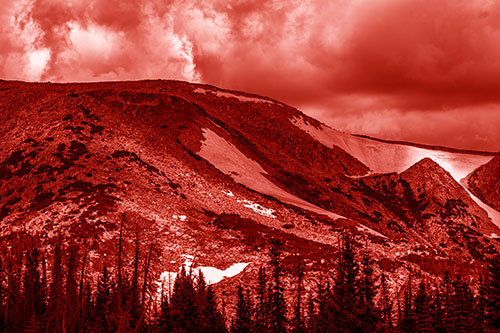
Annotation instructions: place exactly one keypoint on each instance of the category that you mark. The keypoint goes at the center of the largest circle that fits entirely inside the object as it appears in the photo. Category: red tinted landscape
(252, 167)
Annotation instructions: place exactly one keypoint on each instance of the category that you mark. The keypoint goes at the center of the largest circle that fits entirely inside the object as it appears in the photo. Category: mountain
(484, 182)
(208, 176)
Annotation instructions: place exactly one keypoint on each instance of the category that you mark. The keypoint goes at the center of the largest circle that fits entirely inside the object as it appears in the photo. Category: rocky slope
(210, 175)
(484, 182)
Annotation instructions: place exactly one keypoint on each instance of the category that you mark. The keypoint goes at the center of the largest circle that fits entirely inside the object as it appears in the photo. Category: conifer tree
(262, 306)
(278, 319)
(243, 321)
(345, 290)
(367, 310)
(437, 312)
(72, 301)
(385, 323)
(297, 322)
(422, 309)
(56, 307)
(491, 294)
(14, 313)
(3, 296)
(406, 318)
(311, 313)
(33, 302)
(461, 314)
(102, 303)
(215, 319)
(184, 312)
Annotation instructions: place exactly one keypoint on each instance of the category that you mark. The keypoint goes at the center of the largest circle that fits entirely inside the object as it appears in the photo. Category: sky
(417, 70)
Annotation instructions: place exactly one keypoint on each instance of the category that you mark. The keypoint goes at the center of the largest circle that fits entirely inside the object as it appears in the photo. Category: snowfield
(229, 95)
(212, 275)
(382, 157)
(231, 161)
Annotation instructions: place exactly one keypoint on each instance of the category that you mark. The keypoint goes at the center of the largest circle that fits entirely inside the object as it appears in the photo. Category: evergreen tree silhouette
(56, 306)
(102, 303)
(184, 312)
(491, 294)
(345, 290)
(278, 319)
(461, 314)
(297, 322)
(262, 307)
(367, 310)
(422, 309)
(385, 323)
(243, 321)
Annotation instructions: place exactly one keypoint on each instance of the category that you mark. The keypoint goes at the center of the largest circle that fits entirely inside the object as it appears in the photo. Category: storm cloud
(417, 70)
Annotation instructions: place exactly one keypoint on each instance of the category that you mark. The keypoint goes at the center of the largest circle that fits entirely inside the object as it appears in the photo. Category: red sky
(418, 70)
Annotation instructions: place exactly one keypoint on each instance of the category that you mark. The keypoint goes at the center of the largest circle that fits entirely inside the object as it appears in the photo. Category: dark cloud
(418, 70)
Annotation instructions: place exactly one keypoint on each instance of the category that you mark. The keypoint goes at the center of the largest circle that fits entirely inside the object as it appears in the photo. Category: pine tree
(462, 311)
(262, 306)
(243, 321)
(406, 320)
(184, 312)
(491, 294)
(310, 313)
(345, 293)
(437, 312)
(56, 307)
(216, 321)
(422, 309)
(102, 304)
(278, 319)
(13, 310)
(72, 305)
(33, 303)
(385, 323)
(297, 322)
(367, 311)
(3, 292)
(446, 291)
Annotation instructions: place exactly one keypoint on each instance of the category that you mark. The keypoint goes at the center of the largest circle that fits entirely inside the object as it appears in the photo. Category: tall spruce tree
(422, 309)
(462, 312)
(56, 307)
(278, 320)
(368, 312)
(345, 290)
(491, 294)
(297, 322)
(184, 312)
(262, 306)
(243, 321)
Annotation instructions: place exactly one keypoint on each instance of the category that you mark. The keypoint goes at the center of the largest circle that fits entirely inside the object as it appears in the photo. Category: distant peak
(425, 166)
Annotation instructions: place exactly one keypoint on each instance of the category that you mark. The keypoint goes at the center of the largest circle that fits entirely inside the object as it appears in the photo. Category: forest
(50, 292)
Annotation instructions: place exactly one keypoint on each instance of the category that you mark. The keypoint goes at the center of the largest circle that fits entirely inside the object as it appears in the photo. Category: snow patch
(180, 217)
(231, 161)
(493, 214)
(365, 229)
(230, 95)
(258, 208)
(228, 193)
(212, 275)
(382, 157)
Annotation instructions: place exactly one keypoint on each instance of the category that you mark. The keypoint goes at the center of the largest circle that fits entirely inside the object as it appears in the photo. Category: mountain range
(208, 176)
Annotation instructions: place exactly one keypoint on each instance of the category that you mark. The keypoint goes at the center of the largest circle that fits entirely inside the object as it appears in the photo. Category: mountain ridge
(215, 175)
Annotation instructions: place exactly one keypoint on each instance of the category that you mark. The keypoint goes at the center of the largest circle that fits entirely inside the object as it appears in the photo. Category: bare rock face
(484, 182)
(426, 202)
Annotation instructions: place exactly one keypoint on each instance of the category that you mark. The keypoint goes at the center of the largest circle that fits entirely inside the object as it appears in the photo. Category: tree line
(50, 292)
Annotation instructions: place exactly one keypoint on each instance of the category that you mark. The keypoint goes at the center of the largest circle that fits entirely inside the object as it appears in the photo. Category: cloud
(378, 63)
